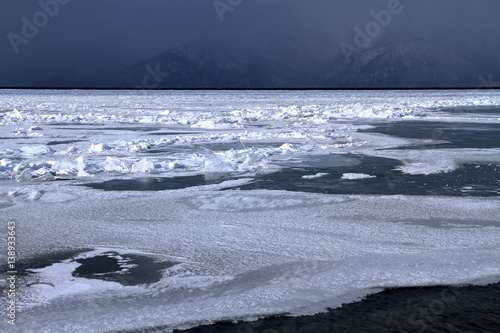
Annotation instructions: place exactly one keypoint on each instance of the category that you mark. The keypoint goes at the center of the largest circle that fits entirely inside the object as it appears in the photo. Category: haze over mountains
(214, 63)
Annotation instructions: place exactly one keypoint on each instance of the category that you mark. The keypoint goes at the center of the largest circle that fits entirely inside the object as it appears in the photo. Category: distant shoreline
(248, 89)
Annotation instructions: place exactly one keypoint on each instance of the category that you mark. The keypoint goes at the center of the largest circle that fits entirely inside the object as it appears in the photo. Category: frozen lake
(175, 209)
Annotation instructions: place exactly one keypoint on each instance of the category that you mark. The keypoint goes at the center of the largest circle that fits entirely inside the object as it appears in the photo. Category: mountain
(207, 63)
(405, 64)
(215, 63)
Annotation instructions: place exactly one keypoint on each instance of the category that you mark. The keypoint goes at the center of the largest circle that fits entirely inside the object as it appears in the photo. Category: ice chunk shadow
(63, 142)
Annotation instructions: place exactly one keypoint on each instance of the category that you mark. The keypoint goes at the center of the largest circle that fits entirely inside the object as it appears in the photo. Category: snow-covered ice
(245, 254)
(238, 254)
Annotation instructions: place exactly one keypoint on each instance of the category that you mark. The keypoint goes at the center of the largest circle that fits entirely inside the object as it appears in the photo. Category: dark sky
(95, 38)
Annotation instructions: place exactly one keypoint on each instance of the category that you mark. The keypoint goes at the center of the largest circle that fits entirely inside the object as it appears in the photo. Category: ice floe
(318, 175)
(354, 176)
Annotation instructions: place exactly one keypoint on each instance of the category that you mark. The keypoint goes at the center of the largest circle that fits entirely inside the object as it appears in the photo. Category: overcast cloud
(90, 38)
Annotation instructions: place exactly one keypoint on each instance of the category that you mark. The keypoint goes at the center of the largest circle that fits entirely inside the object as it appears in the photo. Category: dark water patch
(457, 135)
(96, 265)
(158, 183)
(126, 269)
(424, 309)
(335, 161)
(472, 110)
(63, 142)
(467, 180)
